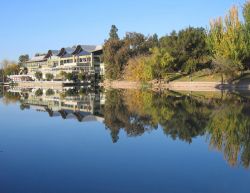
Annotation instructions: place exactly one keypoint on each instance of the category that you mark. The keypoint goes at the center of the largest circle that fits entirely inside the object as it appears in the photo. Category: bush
(63, 75)
(81, 76)
(39, 75)
(50, 92)
(49, 76)
(39, 92)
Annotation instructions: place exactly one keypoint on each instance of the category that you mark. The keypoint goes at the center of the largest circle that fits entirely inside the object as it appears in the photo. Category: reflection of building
(81, 58)
(83, 108)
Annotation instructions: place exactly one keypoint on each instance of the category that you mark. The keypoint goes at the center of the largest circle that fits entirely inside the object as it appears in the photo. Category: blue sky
(36, 26)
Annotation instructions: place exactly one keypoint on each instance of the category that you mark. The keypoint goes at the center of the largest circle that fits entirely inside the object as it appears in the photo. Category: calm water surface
(86, 140)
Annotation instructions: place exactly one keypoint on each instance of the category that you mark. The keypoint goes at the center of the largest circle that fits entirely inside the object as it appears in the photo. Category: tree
(162, 63)
(1, 75)
(226, 39)
(224, 67)
(246, 15)
(11, 69)
(113, 62)
(113, 33)
(49, 76)
(63, 75)
(82, 76)
(117, 53)
(39, 75)
(153, 41)
(39, 92)
(136, 42)
(70, 76)
(23, 59)
(188, 47)
(50, 92)
(145, 68)
(139, 69)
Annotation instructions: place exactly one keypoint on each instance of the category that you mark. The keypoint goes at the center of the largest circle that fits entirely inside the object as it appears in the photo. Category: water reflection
(222, 117)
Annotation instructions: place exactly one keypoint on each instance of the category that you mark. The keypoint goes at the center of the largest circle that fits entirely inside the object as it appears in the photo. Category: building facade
(82, 58)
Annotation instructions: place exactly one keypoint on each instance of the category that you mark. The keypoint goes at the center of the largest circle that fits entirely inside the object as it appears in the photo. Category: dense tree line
(224, 48)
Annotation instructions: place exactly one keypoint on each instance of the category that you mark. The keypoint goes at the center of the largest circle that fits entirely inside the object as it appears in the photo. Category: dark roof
(89, 48)
(69, 50)
(55, 52)
(83, 53)
(66, 55)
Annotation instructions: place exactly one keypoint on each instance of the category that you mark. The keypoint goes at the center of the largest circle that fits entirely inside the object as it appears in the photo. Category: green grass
(203, 94)
(201, 76)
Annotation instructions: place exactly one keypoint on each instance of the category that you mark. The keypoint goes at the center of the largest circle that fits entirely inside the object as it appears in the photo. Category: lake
(93, 140)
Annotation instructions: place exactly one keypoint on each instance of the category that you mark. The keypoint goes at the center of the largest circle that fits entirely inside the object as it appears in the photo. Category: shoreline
(176, 86)
(48, 84)
(153, 85)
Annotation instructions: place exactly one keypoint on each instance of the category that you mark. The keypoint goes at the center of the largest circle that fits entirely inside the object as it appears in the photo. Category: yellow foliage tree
(226, 38)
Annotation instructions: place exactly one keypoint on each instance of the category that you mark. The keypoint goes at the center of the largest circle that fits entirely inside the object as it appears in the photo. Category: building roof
(88, 48)
(80, 50)
(55, 52)
(69, 50)
(66, 55)
(37, 58)
(52, 53)
(83, 53)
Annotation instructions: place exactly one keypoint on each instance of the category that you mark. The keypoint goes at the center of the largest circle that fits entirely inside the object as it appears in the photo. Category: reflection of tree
(24, 106)
(1, 91)
(181, 117)
(188, 120)
(137, 112)
(117, 116)
(11, 97)
(227, 120)
(185, 117)
(229, 129)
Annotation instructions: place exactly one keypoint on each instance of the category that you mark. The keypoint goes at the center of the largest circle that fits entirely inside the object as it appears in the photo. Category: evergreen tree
(113, 33)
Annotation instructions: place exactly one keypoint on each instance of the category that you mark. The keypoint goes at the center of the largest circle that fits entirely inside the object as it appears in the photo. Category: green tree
(117, 53)
(63, 75)
(114, 63)
(70, 76)
(82, 76)
(113, 33)
(23, 59)
(2, 75)
(188, 47)
(50, 92)
(49, 76)
(39, 75)
(39, 92)
(162, 63)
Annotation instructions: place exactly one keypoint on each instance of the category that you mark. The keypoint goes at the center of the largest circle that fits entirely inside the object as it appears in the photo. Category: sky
(28, 27)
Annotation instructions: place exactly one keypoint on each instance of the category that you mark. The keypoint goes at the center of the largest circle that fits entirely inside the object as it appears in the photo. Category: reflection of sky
(42, 154)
